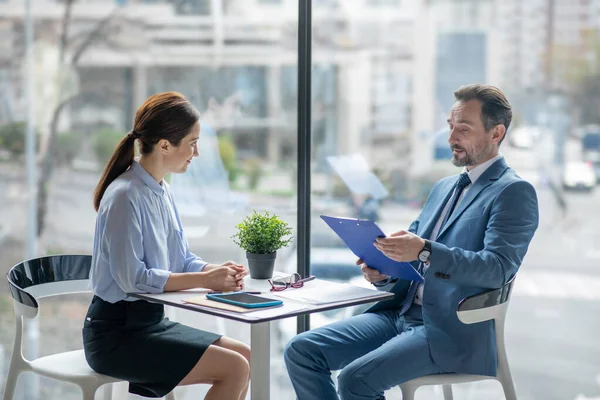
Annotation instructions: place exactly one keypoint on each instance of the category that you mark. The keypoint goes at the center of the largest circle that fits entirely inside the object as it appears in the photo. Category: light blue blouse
(139, 239)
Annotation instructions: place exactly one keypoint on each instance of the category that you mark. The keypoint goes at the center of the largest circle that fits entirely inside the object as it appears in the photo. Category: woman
(139, 246)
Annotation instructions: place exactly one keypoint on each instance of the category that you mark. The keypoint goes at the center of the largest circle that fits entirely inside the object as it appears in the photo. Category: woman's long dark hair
(163, 116)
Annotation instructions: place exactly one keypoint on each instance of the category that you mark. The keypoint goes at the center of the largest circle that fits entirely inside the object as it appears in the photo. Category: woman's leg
(238, 347)
(225, 369)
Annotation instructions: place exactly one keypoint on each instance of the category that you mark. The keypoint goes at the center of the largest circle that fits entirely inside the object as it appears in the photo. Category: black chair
(491, 305)
(45, 277)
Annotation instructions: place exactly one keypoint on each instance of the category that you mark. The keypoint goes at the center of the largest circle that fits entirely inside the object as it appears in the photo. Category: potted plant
(261, 235)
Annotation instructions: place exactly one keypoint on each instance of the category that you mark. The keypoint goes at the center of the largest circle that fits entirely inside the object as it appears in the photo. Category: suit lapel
(430, 224)
(491, 175)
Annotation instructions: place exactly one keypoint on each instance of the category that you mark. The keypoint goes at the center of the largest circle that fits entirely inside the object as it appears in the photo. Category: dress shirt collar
(147, 178)
(476, 172)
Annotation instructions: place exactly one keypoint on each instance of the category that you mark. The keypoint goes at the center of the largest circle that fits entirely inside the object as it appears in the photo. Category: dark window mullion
(304, 144)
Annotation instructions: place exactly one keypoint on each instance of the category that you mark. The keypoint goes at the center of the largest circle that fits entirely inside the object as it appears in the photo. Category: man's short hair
(495, 108)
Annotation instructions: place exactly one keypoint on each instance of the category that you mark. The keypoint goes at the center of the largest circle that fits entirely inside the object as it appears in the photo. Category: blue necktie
(412, 293)
(462, 182)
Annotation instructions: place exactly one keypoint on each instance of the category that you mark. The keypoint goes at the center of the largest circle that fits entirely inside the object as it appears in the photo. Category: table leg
(260, 357)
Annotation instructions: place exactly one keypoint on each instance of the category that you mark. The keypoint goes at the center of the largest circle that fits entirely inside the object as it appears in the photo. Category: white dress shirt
(474, 174)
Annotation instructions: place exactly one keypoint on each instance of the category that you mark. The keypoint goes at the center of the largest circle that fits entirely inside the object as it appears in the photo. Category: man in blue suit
(471, 236)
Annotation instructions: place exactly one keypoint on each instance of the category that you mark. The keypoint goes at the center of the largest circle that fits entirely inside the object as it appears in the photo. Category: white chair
(46, 277)
(491, 305)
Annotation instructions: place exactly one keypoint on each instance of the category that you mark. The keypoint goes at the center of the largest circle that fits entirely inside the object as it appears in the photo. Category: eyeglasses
(292, 281)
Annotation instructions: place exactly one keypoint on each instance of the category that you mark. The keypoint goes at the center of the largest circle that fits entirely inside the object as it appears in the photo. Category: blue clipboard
(359, 236)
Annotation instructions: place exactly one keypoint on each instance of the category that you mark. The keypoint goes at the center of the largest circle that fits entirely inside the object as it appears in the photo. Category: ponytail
(165, 115)
(119, 162)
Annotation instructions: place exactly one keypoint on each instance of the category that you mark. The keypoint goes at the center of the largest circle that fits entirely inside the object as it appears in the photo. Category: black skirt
(133, 341)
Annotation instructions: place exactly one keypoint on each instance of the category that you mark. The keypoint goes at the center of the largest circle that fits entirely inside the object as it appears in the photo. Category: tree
(580, 72)
(71, 49)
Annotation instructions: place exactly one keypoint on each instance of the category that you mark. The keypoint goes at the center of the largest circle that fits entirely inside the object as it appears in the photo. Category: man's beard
(469, 159)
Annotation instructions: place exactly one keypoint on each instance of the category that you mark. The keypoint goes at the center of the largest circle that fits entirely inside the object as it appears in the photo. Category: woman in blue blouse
(139, 246)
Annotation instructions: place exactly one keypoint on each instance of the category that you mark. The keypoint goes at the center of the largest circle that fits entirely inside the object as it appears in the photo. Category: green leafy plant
(12, 138)
(262, 233)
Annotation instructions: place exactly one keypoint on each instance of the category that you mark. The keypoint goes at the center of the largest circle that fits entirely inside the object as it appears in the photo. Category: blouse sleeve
(193, 263)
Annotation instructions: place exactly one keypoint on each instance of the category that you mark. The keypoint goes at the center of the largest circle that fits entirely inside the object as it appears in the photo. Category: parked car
(590, 148)
(580, 131)
(579, 175)
(523, 137)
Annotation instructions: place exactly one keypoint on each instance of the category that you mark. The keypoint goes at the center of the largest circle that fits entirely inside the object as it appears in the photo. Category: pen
(215, 292)
(310, 278)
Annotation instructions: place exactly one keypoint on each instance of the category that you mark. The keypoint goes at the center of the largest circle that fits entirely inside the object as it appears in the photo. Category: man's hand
(401, 246)
(370, 274)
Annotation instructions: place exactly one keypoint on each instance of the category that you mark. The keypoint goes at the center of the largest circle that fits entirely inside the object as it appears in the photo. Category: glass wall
(235, 61)
(395, 67)
(383, 73)
(361, 88)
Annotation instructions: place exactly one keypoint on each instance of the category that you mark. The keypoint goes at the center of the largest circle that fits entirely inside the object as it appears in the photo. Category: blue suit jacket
(481, 246)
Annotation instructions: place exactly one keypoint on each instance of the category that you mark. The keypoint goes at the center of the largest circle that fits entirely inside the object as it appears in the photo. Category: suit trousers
(374, 351)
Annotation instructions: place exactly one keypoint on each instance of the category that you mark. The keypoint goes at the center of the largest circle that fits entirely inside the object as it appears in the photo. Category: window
(383, 77)
(233, 71)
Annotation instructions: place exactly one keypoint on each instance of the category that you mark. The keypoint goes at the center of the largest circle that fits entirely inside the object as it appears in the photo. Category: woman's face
(181, 156)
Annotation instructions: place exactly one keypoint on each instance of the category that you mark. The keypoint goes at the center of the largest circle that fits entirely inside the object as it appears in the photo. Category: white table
(260, 321)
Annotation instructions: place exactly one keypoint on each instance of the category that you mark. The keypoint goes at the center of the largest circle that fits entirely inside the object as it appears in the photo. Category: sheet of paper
(356, 174)
(330, 292)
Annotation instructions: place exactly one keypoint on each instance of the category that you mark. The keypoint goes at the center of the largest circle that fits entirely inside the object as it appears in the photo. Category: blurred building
(524, 29)
(542, 38)
(236, 60)
(383, 71)
(456, 43)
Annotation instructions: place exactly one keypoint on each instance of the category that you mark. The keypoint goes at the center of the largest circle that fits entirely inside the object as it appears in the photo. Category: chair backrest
(490, 305)
(487, 305)
(45, 277)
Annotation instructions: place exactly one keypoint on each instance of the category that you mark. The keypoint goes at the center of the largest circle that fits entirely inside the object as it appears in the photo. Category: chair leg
(447, 389)
(408, 392)
(11, 383)
(170, 395)
(508, 386)
(108, 390)
(88, 393)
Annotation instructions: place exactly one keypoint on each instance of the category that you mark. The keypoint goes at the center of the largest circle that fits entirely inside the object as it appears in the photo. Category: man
(471, 236)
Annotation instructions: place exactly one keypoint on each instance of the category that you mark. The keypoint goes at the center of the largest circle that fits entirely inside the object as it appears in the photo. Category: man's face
(470, 143)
